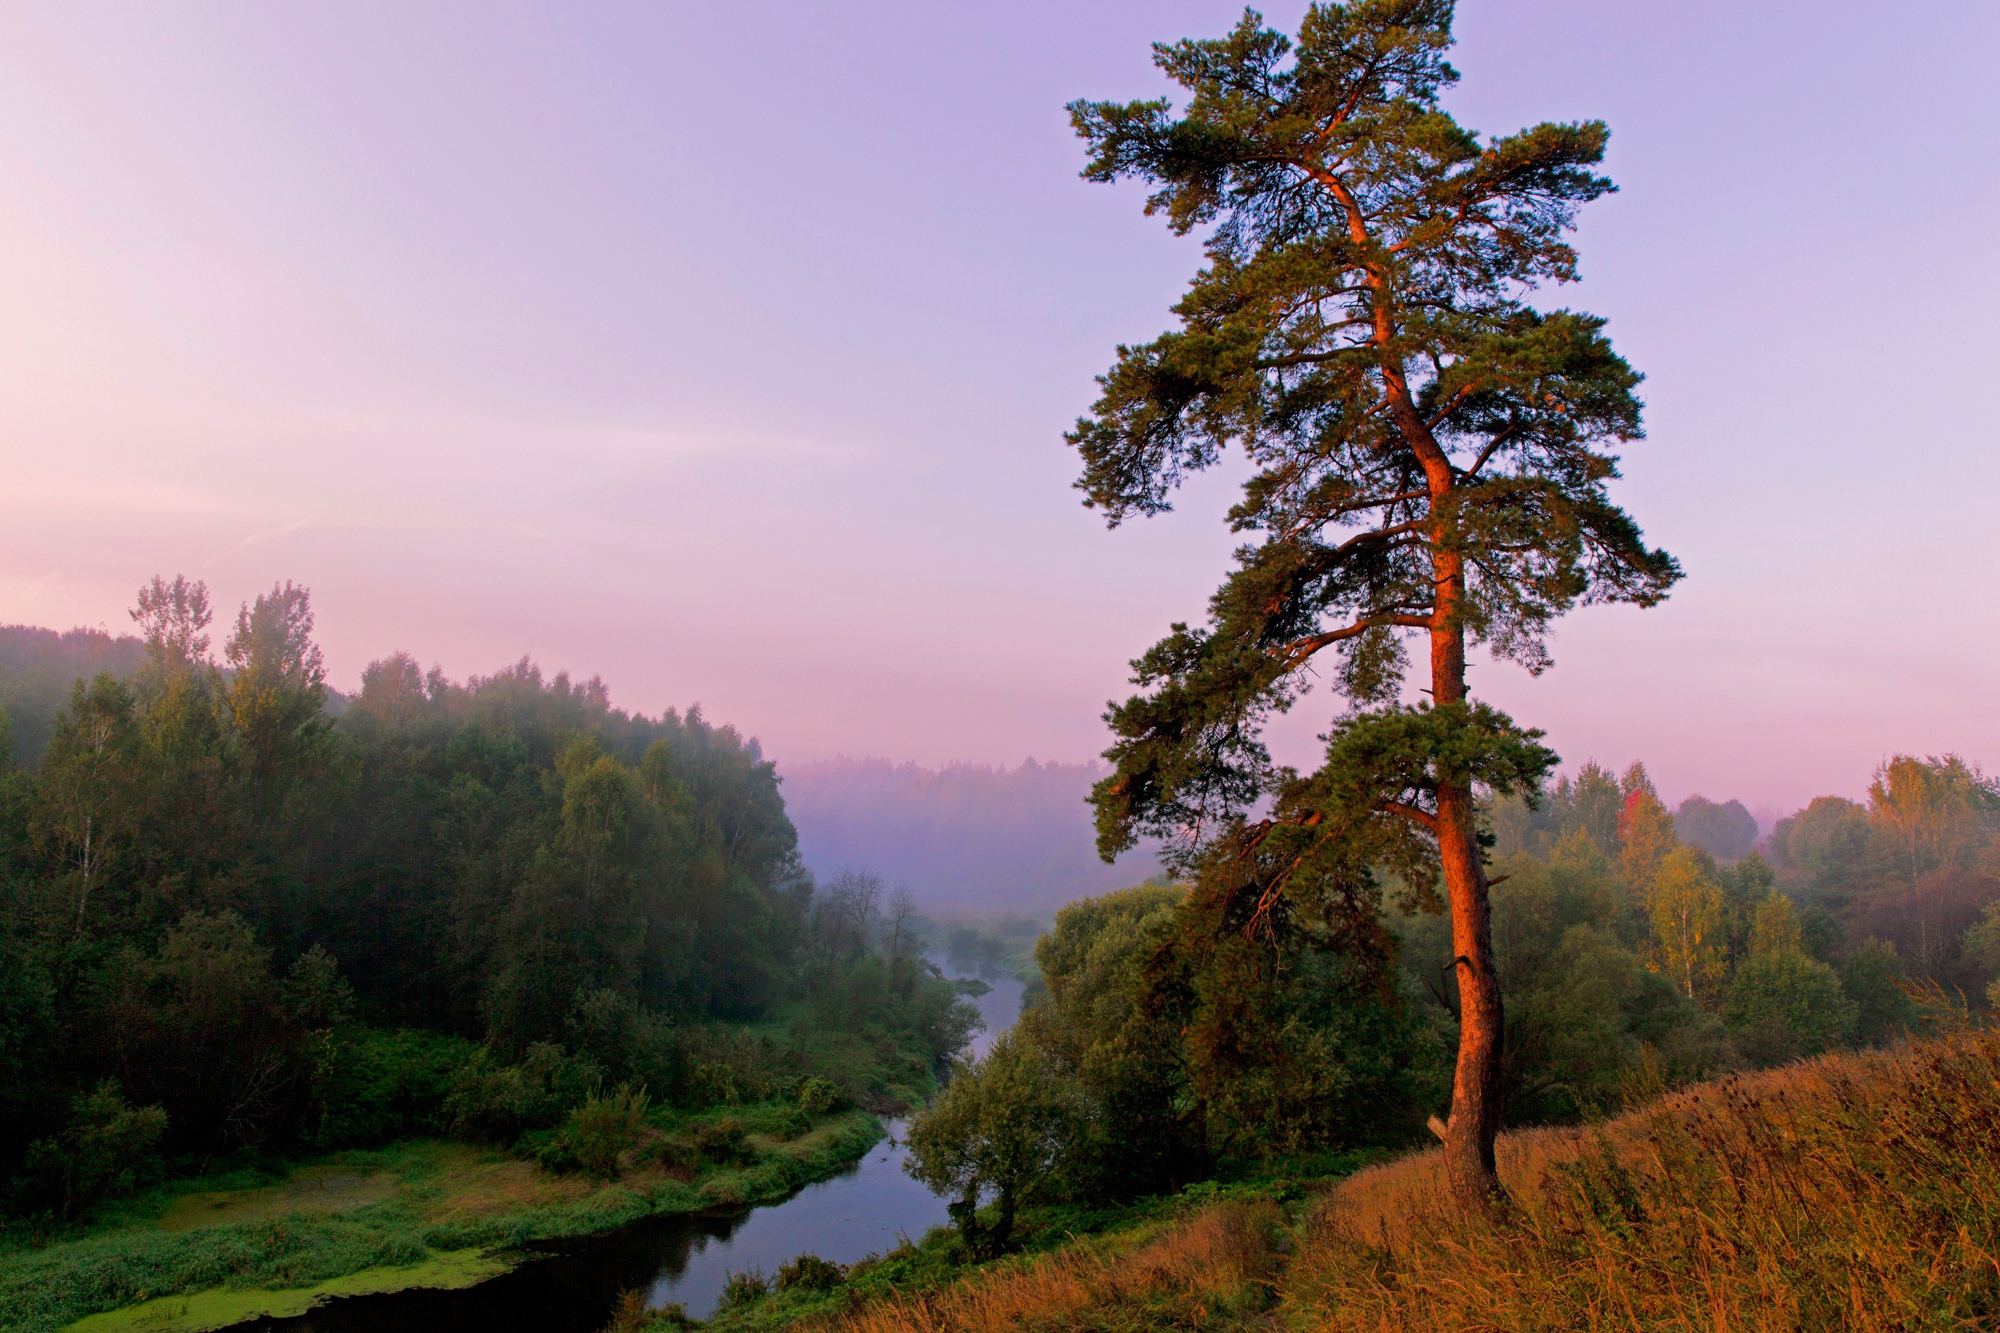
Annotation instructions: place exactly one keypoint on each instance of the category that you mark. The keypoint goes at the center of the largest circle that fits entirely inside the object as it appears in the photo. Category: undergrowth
(438, 1209)
(1855, 1191)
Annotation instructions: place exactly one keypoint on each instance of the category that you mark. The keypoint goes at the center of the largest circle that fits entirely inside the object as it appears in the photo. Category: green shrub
(809, 1272)
(711, 1084)
(631, 1315)
(604, 1127)
(370, 1087)
(724, 1142)
(494, 1102)
(1782, 1005)
(741, 1289)
(554, 1153)
(107, 1147)
(818, 1097)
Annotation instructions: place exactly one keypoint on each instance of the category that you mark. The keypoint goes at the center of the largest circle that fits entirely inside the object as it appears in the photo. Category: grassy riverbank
(939, 1262)
(1855, 1191)
(207, 1252)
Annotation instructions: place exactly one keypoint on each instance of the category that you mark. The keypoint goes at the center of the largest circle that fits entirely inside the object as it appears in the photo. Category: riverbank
(809, 1295)
(1852, 1191)
(208, 1253)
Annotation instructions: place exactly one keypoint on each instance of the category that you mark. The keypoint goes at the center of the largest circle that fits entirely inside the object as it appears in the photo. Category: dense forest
(232, 922)
(1640, 949)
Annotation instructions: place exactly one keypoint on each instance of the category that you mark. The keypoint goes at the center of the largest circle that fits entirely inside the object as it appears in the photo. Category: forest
(1640, 949)
(250, 920)
(242, 916)
(1433, 1031)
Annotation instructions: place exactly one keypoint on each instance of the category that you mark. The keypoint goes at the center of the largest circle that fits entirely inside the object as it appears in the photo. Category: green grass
(221, 1307)
(289, 1238)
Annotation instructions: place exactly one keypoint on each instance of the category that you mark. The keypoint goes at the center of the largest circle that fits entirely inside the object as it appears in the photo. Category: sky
(725, 351)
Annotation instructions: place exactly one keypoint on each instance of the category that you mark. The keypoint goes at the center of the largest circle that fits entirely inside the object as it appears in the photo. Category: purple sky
(725, 351)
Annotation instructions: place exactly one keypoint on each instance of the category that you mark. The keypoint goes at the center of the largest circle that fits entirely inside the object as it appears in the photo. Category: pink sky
(725, 351)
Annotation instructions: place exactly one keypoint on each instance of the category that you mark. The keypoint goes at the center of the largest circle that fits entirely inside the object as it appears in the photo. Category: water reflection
(571, 1287)
(867, 1210)
(999, 1006)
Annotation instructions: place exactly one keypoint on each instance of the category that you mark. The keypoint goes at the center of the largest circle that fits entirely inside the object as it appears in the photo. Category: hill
(1853, 1191)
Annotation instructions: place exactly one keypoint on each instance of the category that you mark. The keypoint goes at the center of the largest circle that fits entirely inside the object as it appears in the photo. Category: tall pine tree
(1430, 456)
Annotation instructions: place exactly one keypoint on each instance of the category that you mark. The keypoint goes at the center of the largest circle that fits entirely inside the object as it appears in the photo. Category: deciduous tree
(1645, 830)
(1933, 812)
(1686, 906)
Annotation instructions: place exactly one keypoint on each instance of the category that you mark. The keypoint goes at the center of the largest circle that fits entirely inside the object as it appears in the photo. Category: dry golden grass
(1852, 1192)
(1210, 1272)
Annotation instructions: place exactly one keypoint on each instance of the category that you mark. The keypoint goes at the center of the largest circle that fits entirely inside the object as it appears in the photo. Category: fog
(964, 837)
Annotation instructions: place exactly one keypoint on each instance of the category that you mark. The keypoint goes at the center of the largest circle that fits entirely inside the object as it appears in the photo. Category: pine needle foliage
(1430, 455)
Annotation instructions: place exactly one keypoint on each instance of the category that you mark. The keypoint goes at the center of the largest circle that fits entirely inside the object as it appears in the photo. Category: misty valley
(1349, 968)
(524, 1012)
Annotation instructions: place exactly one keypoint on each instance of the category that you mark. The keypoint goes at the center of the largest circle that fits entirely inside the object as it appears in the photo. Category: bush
(809, 1272)
(493, 1102)
(818, 1097)
(554, 1153)
(999, 1127)
(1872, 979)
(370, 1087)
(741, 1289)
(629, 1314)
(724, 1142)
(604, 1127)
(106, 1148)
(1782, 1005)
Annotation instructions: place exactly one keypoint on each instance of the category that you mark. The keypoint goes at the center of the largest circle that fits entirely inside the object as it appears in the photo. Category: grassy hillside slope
(1849, 1192)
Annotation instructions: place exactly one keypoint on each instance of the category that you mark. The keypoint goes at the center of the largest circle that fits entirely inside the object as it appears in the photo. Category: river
(571, 1287)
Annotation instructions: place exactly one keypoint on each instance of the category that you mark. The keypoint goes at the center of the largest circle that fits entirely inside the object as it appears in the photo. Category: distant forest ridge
(962, 837)
(37, 667)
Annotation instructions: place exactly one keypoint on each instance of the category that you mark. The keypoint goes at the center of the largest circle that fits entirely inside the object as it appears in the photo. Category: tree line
(1165, 1048)
(233, 920)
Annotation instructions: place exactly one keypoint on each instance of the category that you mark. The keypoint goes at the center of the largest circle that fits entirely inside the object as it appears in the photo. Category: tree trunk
(1004, 1226)
(1475, 1089)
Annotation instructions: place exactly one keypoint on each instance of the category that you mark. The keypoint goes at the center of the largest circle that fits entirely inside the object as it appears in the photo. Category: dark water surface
(572, 1286)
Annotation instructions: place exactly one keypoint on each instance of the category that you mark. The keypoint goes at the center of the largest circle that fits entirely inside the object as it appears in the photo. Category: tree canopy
(1430, 454)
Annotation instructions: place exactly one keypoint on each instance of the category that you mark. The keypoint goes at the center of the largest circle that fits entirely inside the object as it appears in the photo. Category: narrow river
(864, 1210)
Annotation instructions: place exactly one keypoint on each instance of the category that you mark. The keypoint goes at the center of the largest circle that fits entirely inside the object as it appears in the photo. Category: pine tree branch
(1422, 818)
(1486, 454)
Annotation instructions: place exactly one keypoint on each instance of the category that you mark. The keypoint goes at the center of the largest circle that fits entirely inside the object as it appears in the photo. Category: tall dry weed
(1852, 1192)
(1207, 1272)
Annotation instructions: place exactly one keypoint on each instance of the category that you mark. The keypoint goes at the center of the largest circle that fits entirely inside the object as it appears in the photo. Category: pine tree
(1430, 455)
